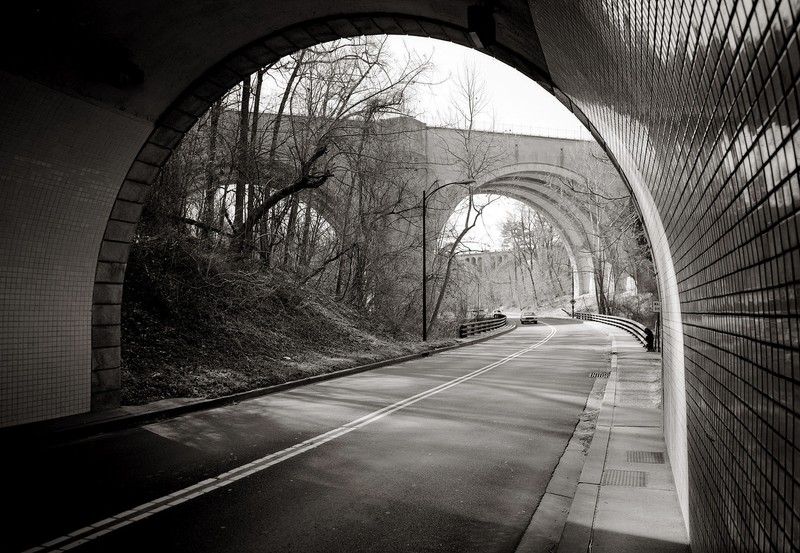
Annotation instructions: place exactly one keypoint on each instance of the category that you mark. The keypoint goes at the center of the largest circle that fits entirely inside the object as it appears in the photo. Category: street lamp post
(572, 301)
(425, 196)
(424, 272)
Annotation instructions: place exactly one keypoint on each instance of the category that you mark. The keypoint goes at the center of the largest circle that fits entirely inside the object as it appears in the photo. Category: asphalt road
(450, 452)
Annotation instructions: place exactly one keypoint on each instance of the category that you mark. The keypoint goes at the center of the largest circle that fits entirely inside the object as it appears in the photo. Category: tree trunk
(361, 252)
(448, 269)
(302, 254)
(276, 126)
(530, 246)
(247, 238)
(551, 268)
(533, 284)
(445, 282)
(291, 223)
(211, 169)
(341, 239)
(256, 108)
(357, 182)
(241, 168)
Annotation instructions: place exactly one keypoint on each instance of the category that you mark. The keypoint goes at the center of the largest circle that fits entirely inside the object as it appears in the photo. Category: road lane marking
(105, 526)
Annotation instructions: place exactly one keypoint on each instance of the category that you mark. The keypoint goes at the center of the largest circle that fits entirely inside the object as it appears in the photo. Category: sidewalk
(625, 498)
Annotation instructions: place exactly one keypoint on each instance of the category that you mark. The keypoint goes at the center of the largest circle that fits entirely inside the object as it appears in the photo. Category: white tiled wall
(62, 162)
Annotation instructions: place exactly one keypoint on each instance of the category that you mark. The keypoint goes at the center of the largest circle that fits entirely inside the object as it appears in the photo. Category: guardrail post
(476, 327)
(638, 330)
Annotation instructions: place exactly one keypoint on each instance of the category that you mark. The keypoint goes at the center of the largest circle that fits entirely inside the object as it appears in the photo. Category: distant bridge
(539, 171)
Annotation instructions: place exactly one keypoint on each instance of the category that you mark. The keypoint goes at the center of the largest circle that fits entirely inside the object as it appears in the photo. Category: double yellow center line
(136, 514)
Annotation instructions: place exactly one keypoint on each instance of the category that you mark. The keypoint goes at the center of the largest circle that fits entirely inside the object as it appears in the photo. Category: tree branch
(305, 181)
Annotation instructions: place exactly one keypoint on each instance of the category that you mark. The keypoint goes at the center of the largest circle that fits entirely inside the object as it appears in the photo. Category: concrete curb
(564, 517)
(547, 524)
(577, 534)
(78, 426)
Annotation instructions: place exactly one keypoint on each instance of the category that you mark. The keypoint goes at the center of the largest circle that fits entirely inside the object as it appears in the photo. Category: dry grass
(192, 330)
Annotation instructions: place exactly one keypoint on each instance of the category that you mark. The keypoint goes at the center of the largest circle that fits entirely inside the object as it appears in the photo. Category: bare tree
(474, 155)
(612, 230)
(538, 252)
(356, 93)
(332, 116)
(473, 212)
(332, 94)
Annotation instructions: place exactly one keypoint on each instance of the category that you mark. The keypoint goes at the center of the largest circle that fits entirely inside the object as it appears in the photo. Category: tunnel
(695, 102)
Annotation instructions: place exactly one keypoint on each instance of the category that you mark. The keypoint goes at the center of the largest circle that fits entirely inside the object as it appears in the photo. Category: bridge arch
(533, 184)
(544, 172)
(525, 183)
(699, 113)
(566, 226)
(542, 187)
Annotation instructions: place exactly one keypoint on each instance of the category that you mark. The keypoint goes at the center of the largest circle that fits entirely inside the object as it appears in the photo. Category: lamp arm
(469, 181)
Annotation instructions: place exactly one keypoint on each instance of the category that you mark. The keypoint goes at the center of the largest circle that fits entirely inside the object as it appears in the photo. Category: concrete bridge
(696, 103)
(539, 171)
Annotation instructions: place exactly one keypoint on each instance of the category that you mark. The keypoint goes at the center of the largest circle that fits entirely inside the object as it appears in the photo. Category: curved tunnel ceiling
(121, 55)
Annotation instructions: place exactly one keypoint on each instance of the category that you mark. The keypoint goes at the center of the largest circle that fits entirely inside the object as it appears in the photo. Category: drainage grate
(601, 374)
(653, 457)
(629, 478)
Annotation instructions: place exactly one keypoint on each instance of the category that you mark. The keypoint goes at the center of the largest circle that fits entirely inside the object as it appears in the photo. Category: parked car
(497, 314)
(528, 317)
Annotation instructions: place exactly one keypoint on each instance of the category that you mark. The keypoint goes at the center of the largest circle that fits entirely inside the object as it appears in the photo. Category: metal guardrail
(638, 330)
(477, 327)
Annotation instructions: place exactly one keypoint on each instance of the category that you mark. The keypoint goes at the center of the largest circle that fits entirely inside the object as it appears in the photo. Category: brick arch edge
(180, 117)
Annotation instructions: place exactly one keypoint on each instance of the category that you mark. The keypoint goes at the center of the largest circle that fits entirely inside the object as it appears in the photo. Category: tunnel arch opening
(179, 118)
(173, 121)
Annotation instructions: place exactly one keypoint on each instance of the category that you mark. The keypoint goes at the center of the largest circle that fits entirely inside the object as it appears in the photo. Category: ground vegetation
(283, 238)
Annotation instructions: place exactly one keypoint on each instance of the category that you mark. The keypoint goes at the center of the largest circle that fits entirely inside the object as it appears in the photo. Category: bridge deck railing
(637, 329)
(477, 327)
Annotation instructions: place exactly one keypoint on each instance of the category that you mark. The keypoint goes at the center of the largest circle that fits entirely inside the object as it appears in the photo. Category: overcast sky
(517, 104)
